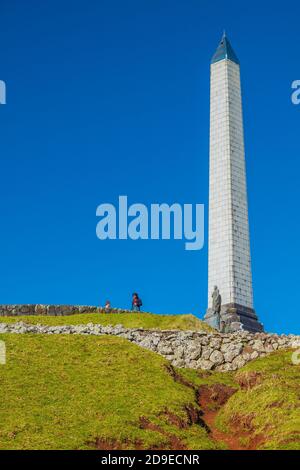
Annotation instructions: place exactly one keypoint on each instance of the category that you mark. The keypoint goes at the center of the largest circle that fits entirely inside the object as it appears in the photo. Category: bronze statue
(216, 303)
(216, 306)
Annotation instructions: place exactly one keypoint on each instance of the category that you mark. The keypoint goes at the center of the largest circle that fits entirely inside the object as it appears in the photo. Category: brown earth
(248, 380)
(114, 444)
(173, 442)
(211, 399)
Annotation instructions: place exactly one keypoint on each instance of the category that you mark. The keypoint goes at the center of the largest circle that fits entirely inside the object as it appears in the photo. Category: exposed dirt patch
(173, 442)
(193, 416)
(243, 423)
(255, 442)
(230, 440)
(114, 444)
(212, 397)
(145, 423)
(174, 420)
(291, 440)
(243, 426)
(248, 380)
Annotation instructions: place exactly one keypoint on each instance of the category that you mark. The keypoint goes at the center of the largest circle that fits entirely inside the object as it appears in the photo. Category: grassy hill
(67, 392)
(266, 409)
(84, 392)
(128, 320)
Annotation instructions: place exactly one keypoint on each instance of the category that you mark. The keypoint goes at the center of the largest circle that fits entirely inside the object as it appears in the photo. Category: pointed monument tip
(224, 51)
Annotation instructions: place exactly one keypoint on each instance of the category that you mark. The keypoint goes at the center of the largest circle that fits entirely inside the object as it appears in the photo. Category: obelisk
(229, 264)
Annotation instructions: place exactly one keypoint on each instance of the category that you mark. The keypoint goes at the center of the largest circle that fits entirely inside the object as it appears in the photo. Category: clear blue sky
(110, 97)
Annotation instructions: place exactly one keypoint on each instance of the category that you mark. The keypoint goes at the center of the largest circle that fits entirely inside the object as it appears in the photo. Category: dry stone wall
(193, 349)
(53, 310)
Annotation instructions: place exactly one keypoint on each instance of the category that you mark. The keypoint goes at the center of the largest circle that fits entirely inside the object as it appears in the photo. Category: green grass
(270, 410)
(128, 320)
(64, 392)
(208, 377)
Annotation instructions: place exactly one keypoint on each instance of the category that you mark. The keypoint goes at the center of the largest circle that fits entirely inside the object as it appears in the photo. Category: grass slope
(80, 392)
(128, 320)
(62, 392)
(267, 406)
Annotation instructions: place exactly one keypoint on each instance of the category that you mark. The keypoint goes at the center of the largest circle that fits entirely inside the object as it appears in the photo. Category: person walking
(136, 303)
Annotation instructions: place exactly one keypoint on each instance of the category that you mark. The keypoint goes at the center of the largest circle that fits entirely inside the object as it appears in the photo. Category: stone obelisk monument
(230, 298)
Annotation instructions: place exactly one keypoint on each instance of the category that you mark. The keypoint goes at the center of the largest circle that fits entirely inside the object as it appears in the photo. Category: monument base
(234, 317)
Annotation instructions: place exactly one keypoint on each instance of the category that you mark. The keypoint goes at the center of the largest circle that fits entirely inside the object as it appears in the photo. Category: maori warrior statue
(216, 306)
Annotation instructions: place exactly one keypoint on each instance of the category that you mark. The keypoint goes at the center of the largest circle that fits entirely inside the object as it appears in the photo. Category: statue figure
(216, 303)
(216, 306)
